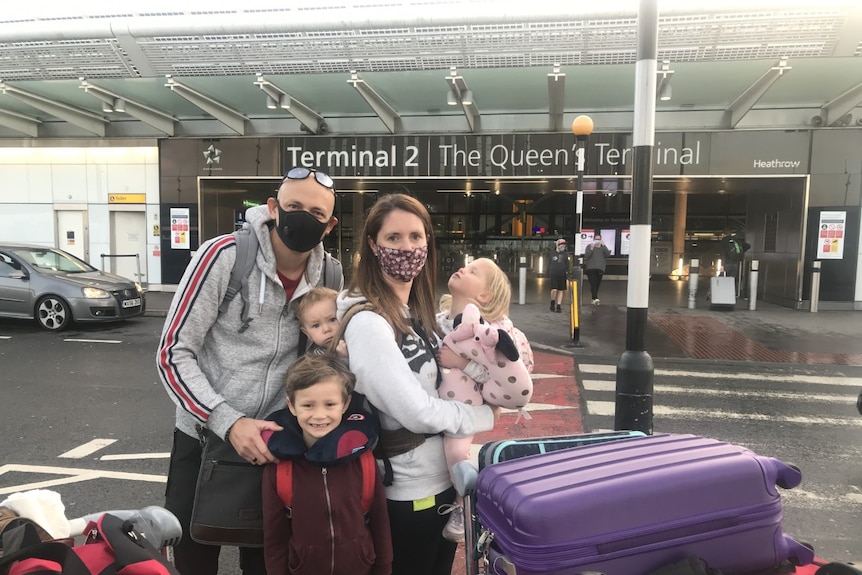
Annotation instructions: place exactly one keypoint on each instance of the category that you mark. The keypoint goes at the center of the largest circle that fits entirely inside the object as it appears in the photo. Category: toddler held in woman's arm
(485, 358)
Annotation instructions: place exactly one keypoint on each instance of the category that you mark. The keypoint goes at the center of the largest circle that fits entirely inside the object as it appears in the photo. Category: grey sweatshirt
(214, 374)
(596, 258)
(400, 379)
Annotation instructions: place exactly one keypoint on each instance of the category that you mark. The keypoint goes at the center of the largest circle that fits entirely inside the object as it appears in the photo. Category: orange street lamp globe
(582, 126)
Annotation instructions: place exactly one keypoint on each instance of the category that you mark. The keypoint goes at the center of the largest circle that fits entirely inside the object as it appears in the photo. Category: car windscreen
(53, 260)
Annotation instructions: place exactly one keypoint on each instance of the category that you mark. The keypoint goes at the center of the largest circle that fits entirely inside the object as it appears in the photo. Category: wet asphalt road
(60, 391)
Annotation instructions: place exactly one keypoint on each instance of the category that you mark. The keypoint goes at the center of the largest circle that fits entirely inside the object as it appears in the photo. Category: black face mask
(300, 231)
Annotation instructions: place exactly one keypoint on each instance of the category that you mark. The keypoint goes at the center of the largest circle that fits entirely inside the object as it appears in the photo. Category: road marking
(540, 407)
(87, 449)
(5, 337)
(601, 385)
(93, 340)
(74, 475)
(132, 456)
(823, 380)
(536, 376)
(607, 408)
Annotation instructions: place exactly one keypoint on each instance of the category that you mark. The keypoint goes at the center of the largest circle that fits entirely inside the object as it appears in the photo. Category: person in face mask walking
(227, 380)
(595, 261)
(392, 344)
(558, 272)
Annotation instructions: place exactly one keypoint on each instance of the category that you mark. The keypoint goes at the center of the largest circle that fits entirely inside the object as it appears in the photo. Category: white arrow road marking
(93, 340)
(600, 385)
(73, 475)
(540, 407)
(607, 408)
(536, 376)
(87, 448)
(129, 456)
(796, 378)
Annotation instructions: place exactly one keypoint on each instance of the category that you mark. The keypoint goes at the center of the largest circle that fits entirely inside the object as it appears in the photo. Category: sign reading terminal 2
(543, 154)
(486, 155)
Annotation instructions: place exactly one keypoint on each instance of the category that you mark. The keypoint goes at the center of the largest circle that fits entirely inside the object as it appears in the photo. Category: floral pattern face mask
(403, 265)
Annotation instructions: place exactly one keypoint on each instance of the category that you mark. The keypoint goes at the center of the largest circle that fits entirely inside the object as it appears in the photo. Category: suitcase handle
(787, 476)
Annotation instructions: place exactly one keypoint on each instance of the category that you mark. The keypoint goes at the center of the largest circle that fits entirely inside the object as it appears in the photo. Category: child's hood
(357, 433)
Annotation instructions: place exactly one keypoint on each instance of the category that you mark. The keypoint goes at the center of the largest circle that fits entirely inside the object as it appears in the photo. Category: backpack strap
(369, 474)
(332, 275)
(246, 255)
(284, 483)
(348, 315)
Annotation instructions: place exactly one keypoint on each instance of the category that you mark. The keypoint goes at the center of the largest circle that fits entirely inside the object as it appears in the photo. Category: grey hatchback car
(55, 288)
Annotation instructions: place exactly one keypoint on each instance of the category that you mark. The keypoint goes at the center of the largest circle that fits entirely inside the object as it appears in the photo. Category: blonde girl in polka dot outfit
(466, 376)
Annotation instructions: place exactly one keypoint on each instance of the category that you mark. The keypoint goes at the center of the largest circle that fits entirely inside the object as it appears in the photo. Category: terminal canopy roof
(431, 66)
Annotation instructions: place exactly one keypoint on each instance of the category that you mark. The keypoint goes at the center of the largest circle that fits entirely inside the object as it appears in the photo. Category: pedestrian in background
(595, 261)
(558, 271)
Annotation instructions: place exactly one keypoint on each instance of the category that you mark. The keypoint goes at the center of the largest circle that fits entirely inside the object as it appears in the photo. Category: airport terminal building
(152, 134)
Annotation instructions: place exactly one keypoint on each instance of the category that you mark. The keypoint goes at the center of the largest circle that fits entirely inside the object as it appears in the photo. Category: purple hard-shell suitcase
(629, 507)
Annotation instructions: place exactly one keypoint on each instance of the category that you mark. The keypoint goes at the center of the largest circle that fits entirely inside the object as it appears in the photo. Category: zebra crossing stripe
(607, 409)
(602, 385)
(749, 376)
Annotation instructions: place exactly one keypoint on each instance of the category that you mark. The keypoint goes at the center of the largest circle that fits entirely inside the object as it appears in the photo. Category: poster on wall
(585, 240)
(625, 242)
(180, 228)
(830, 237)
(609, 236)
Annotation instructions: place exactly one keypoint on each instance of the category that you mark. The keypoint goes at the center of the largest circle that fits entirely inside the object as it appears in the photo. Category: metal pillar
(815, 287)
(693, 274)
(679, 219)
(635, 371)
(752, 285)
(522, 280)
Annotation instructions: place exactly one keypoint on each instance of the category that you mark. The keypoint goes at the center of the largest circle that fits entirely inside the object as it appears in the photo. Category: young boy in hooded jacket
(323, 528)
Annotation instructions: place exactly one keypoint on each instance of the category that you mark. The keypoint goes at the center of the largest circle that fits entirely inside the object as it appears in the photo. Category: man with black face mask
(226, 381)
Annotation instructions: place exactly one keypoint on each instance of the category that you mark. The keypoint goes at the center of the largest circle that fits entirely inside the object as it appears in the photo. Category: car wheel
(53, 314)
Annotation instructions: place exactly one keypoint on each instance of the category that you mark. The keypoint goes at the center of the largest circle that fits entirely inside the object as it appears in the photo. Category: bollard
(693, 272)
(575, 315)
(752, 285)
(522, 281)
(815, 286)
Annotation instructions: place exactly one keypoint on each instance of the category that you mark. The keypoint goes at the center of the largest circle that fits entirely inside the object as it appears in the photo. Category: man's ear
(272, 206)
(291, 407)
(332, 223)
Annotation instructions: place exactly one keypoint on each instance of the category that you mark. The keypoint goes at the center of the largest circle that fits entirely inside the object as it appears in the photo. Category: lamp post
(582, 127)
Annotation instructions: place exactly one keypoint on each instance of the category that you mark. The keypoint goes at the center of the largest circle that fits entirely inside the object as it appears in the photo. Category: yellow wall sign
(127, 198)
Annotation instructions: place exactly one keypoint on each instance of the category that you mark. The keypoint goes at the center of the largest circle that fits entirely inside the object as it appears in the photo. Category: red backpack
(113, 547)
(284, 482)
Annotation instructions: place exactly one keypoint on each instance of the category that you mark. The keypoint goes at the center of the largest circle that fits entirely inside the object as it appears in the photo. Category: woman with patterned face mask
(392, 348)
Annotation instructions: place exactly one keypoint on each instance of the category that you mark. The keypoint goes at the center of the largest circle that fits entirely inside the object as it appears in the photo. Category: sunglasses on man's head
(301, 173)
